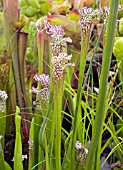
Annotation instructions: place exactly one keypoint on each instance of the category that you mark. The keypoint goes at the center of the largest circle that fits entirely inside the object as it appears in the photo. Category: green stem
(100, 108)
(46, 153)
(48, 112)
(31, 139)
(97, 154)
(37, 123)
(91, 61)
(84, 48)
(37, 120)
(57, 111)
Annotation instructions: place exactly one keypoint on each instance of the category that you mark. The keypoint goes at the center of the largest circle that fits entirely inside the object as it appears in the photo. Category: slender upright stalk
(46, 152)
(37, 117)
(58, 83)
(58, 91)
(100, 108)
(31, 144)
(84, 48)
(59, 62)
(45, 123)
(37, 123)
(86, 24)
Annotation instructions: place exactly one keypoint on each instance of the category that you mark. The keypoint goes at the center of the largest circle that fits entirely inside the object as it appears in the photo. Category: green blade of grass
(100, 108)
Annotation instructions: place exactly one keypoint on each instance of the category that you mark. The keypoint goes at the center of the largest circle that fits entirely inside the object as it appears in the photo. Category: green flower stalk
(86, 20)
(58, 83)
(59, 63)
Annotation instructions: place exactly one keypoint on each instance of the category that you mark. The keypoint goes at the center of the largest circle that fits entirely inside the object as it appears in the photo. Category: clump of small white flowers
(43, 79)
(60, 59)
(59, 63)
(86, 20)
(57, 39)
(56, 35)
(45, 91)
(82, 153)
(58, 42)
(3, 97)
